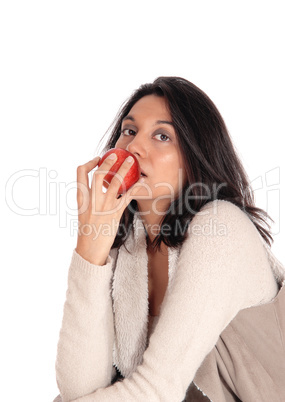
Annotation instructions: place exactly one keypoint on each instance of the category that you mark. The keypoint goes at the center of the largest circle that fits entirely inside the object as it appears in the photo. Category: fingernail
(130, 159)
(112, 156)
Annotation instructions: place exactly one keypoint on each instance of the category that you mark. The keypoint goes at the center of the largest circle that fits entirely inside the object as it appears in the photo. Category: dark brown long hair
(209, 156)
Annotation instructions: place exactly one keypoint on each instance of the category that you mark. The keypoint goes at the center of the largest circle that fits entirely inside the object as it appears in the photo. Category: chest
(157, 280)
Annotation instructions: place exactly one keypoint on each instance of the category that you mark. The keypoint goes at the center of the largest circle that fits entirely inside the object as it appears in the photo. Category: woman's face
(147, 131)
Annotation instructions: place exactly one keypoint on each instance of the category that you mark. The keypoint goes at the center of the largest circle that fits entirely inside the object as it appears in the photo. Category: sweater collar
(130, 298)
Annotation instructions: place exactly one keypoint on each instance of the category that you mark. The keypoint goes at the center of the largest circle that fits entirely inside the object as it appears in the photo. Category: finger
(103, 171)
(133, 191)
(83, 170)
(82, 180)
(118, 178)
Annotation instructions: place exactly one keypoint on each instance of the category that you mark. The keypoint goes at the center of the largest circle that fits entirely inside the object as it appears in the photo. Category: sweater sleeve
(222, 268)
(84, 353)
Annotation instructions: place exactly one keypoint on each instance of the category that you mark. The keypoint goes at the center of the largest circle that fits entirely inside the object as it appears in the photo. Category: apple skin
(132, 175)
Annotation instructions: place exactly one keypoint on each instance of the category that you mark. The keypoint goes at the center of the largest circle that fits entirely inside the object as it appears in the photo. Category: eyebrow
(129, 117)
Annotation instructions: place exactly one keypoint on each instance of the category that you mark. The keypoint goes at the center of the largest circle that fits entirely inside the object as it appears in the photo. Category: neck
(152, 218)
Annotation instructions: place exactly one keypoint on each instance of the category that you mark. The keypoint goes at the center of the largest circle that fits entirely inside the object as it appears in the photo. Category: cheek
(172, 162)
(177, 173)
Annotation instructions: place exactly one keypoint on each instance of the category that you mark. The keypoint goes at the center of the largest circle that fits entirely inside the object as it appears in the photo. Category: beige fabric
(249, 358)
(248, 361)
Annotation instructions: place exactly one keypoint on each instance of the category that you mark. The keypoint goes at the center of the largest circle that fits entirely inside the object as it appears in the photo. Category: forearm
(84, 358)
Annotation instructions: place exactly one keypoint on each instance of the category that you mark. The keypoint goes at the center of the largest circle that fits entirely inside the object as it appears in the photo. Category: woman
(181, 300)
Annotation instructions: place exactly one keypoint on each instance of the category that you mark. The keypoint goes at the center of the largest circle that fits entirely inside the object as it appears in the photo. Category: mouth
(142, 174)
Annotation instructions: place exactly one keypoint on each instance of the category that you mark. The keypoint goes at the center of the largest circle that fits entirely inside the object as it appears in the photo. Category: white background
(66, 67)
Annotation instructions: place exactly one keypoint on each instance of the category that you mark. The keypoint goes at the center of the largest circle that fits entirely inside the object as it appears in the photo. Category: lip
(143, 173)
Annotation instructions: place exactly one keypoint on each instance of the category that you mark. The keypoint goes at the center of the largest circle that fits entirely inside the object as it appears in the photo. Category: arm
(84, 357)
(219, 273)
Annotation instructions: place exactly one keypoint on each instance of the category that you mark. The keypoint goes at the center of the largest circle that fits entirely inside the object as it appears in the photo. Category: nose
(137, 146)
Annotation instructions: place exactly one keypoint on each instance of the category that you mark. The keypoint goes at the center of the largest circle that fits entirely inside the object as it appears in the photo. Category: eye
(128, 131)
(163, 136)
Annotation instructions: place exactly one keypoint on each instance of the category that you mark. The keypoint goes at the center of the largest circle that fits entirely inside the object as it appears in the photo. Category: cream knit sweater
(221, 269)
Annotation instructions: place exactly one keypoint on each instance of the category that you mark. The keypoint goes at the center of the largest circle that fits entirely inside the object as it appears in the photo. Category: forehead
(151, 106)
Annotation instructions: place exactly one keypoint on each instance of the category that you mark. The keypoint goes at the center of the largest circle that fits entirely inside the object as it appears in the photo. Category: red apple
(132, 175)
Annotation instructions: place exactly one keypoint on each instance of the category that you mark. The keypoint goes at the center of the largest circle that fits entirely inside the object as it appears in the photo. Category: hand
(99, 213)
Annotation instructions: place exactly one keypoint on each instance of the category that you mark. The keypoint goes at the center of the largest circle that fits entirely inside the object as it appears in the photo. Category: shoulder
(224, 243)
(222, 218)
(223, 210)
(221, 233)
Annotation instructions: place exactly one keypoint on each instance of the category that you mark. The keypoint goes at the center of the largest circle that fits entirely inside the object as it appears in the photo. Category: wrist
(91, 258)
